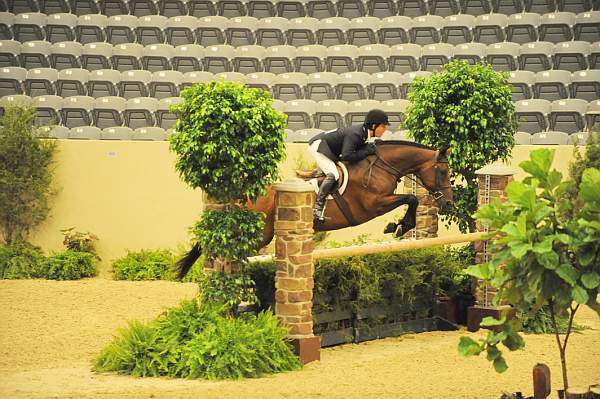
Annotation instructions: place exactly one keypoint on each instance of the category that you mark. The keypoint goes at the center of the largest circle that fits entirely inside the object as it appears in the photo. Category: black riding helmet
(376, 117)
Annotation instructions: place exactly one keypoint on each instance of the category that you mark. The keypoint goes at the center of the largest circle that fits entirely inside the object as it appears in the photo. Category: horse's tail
(183, 265)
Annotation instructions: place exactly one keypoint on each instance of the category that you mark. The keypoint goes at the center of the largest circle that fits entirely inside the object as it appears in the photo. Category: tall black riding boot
(327, 186)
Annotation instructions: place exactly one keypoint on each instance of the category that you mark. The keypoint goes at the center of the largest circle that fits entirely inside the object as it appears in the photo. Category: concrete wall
(130, 196)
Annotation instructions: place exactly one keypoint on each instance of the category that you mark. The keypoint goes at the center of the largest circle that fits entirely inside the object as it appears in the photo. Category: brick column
(295, 269)
(427, 212)
(492, 182)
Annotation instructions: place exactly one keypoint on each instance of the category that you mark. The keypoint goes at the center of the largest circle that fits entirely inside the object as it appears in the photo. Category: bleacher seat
(271, 31)
(340, 58)
(187, 58)
(395, 30)
(10, 52)
(157, 57)
(140, 112)
(523, 27)
(181, 29)
(568, 115)
(103, 82)
(385, 86)
(66, 55)
(586, 85)
(458, 29)
(353, 86)
(35, 54)
(127, 56)
(382, 8)
(475, 7)
(29, 26)
(470, 52)
(7, 20)
(60, 27)
(407, 80)
(522, 138)
(41, 81)
(55, 132)
(522, 83)
(321, 86)
(372, 58)
(490, 28)
(151, 29)
(310, 58)
(260, 80)
(571, 56)
(540, 6)
(396, 110)
(503, 56)
(301, 31)
(536, 56)
(404, 58)
(239, 31)
(12, 80)
(578, 138)
(72, 82)
(557, 27)
(426, 29)
(76, 111)
(532, 115)
(299, 113)
(357, 110)
(552, 85)
(550, 138)
(587, 26)
(165, 119)
(363, 31)
(289, 86)
(192, 77)
(217, 58)
(434, 56)
(151, 133)
(114, 7)
(165, 84)
(19, 6)
(121, 29)
(116, 133)
(351, 8)
(108, 111)
(330, 114)
(412, 8)
(210, 30)
(332, 31)
(48, 109)
(261, 8)
(235, 77)
(231, 8)
(290, 9)
(54, 6)
(321, 9)
(85, 133)
(96, 56)
(279, 59)
(201, 8)
(592, 115)
(141, 8)
(444, 7)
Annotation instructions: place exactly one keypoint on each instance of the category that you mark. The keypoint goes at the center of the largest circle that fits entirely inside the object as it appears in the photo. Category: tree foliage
(468, 108)
(25, 173)
(544, 254)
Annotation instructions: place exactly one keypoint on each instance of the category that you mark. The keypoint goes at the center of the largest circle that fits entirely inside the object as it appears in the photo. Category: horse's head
(435, 176)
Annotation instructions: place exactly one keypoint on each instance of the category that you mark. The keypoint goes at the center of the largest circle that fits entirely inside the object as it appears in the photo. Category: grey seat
(340, 58)
(82, 7)
(408, 78)
(404, 58)
(36, 54)
(165, 84)
(291, 8)
(550, 138)
(140, 112)
(444, 7)
(556, 27)
(412, 8)
(330, 114)
(7, 20)
(532, 115)
(539, 6)
(458, 29)
(54, 6)
(231, 8)
(434, 56)
(577, 6)
(385, 86)
(218, 58)
(353, 86)
(357, 110)
(210, 30)
(395, 30)
(114, 7)
(15, 100)
(396, 110)
(302, 31)
(134, 83)
(261, 8)
(54, 132)
(121, 29)
(290, 86)
(12, 80)
(181, 30)
(351, 8)
(116, 133)
(10, 51)
(303, 135)
(587, 26)
(260, 80)
(490, 28)
(165, 119)
(240, 31)
(157, 57)
(504, 56)
(592, 115)
(594, 57)
(363, 31)
(552, 85)
(579, 138)
(373, 58)
(271, 31)
(522, 138)
(300, 113)
(193, 77)
(426, 29)
(235, 77)
(571, 56)
(72, 82)
(66, 55)
(19, 6)
(187, 58)
(109, 111)
(586, 85)
(60, 27)
(150, 133)
(321, 86)
(536, 56)
(97, 56)
(141, 8)
(522, 83)
(127, 56)
(523, 28)
(321, 9)
(470, 52)
(382, 8)
(85, 133)
(29, 26)
(249, 59)
(332, 31)
(201, 8)
(151, 29)
(41, 81)
(475, 7)
(310, 58)
(103, 82)
(568, 115)
(76, 111)
(91, 28)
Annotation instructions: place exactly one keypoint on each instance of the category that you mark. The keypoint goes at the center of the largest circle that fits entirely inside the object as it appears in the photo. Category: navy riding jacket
(345, 144)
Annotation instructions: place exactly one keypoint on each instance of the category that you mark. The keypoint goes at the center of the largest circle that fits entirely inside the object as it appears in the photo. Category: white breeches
(324, 163)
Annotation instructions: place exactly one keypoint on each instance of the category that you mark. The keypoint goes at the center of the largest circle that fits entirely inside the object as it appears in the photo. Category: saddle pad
(341, 185)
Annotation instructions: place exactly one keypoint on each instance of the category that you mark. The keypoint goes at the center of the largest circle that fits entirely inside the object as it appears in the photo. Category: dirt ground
(50, 331)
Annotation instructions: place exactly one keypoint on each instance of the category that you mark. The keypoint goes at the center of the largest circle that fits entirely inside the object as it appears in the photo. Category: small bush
(200, 341)
(153, 265)
(541, 323)
(227, 289)
(69, 265)
(79, 241)
(21, 260)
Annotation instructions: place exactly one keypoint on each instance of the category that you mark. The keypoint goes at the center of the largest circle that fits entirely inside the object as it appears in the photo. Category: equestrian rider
(344, 144)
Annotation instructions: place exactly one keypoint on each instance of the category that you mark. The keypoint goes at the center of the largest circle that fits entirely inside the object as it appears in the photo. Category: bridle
(435, 192)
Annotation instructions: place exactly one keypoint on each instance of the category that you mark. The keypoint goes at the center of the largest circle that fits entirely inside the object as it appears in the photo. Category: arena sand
(51, 330)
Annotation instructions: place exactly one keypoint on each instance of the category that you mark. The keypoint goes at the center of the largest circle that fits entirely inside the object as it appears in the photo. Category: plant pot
(463, 302)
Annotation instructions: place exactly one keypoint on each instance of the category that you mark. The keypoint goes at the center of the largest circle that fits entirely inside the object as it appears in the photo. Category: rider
(344, 144)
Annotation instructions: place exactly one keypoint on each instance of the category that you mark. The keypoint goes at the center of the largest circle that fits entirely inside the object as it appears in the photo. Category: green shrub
(152, 265)
(200, 341)
(226, 289)
(21, 260)
(69, 265)
(79, 241)
(541, 322)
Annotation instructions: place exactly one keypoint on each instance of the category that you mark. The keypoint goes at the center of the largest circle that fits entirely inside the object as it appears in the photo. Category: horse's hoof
(402, 229)
(390, 228)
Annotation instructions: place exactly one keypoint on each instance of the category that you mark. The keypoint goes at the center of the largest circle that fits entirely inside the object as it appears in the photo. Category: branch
(553, 318)
(570, 323)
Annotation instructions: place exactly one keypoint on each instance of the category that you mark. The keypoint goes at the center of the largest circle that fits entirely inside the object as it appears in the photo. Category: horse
(369, 192)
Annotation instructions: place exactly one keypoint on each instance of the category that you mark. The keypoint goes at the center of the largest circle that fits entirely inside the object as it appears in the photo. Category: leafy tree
(25, 173)
(469, 108)
(542, 255)
(590, 159)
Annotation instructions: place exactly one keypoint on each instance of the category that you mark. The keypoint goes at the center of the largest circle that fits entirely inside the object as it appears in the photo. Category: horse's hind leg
(409, 220)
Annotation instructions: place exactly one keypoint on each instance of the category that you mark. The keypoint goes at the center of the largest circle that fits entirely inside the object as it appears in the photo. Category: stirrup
(320, 216)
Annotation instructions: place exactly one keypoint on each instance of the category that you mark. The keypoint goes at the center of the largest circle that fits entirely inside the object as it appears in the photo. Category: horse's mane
(403, 142)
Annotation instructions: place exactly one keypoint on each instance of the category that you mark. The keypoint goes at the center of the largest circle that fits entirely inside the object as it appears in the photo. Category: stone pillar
(492, 182)
(427, 211)
(295, 269)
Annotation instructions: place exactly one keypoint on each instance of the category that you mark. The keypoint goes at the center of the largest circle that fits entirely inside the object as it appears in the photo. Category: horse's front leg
(409, 221)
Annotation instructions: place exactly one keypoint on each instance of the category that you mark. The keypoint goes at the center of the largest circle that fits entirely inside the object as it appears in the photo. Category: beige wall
(130, 196)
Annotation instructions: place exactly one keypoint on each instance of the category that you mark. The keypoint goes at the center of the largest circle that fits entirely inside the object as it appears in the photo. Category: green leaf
(590, 280)
(549, 260)
(580, 295)
(568, 273)
(539, 163)
(519, 250)
(493, 353)
(481, 271)
(490, 321)
(589, 189)
(544, 246)
(468, 347)
(500, 365)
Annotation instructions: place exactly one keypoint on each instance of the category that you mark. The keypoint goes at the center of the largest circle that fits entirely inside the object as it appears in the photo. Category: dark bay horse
(370, 191)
